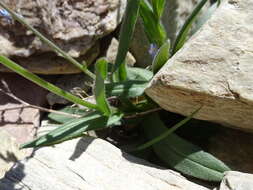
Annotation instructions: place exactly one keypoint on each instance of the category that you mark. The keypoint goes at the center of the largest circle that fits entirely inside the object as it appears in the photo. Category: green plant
(127, 86)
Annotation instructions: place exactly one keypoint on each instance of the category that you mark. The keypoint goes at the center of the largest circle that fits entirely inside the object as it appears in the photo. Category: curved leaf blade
(126, 33)
(161, 57)
(183, 33)
(101, 68)
(183, 155)
(74, 128)
(44, 84)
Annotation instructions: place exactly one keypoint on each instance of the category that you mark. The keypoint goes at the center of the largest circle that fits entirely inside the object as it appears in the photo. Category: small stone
(112, 53)
(237, 181)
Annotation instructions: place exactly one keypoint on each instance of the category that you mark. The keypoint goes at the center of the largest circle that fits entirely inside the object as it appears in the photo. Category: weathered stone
(11, 111)
(49, 63)
(90, 164)
(237, 181)
(9, 152)
(112, 51)
(175, 14)
(214, 70)
(78, 84)
(75, 26)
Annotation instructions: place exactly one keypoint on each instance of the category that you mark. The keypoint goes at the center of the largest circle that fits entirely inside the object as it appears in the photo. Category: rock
(78, 84)
(90, 164)
(26, 91)
(238, 158)
(50, 64)
(175, 14)
(213, 70)
(75, 26)
(17, 125)
(237, 181)
(9, 152)
(112, 50)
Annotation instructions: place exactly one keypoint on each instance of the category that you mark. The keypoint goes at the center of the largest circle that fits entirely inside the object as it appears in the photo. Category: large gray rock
(214, 69)
(75, 26)
(237, 181)
(175, 14)
(90, 164)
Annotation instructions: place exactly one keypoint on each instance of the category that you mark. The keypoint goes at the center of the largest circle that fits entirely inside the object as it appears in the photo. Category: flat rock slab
(237, 181)
(90, 164)
(214, 69)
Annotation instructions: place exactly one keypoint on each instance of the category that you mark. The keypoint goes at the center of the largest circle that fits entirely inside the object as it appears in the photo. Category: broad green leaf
(47, 41)
(101, 68)
(154, 28)
(126, 33)
(158, 7)
(135, 73)
(74, 128)
(126, 89)
(181, 154)
(161, 57)
(183, 33)
(137, 81)
(63, 118)
(39, 81)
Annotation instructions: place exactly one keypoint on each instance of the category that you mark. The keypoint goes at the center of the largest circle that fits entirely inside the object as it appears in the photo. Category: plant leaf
(74, 128)
(154, 28)
(183, 33)
(158, 7)
(161, 57)
(205, 17)
(99, 88)
(47, 41)
(39, 81)
(135, 73)
(181, 154)
(168, 132)
(126, 89)
(126, 33)
(63, 118)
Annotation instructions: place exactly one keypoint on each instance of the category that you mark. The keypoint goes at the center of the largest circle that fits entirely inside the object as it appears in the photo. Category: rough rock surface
(237, 181)
(9, 152)
(90, 164)
(75, 26)
(214, 69)
(175, 14)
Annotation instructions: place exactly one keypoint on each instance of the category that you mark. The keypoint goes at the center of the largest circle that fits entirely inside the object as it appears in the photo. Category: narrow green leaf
(181, 154)
(126, 33)
(161, 57)
(39, 81)
(47, 41)
(183, 33)
(153, 27)
(126, 89)
(168, 132)
(158, 7)
(99, 88)
(205, 17)
(74, 128)
(63, 118)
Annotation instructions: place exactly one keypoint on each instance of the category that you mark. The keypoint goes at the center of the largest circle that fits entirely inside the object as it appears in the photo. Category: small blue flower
(5, 14)
(153, 50)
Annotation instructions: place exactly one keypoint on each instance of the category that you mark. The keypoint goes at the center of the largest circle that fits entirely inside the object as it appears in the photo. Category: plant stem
(39, 81)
